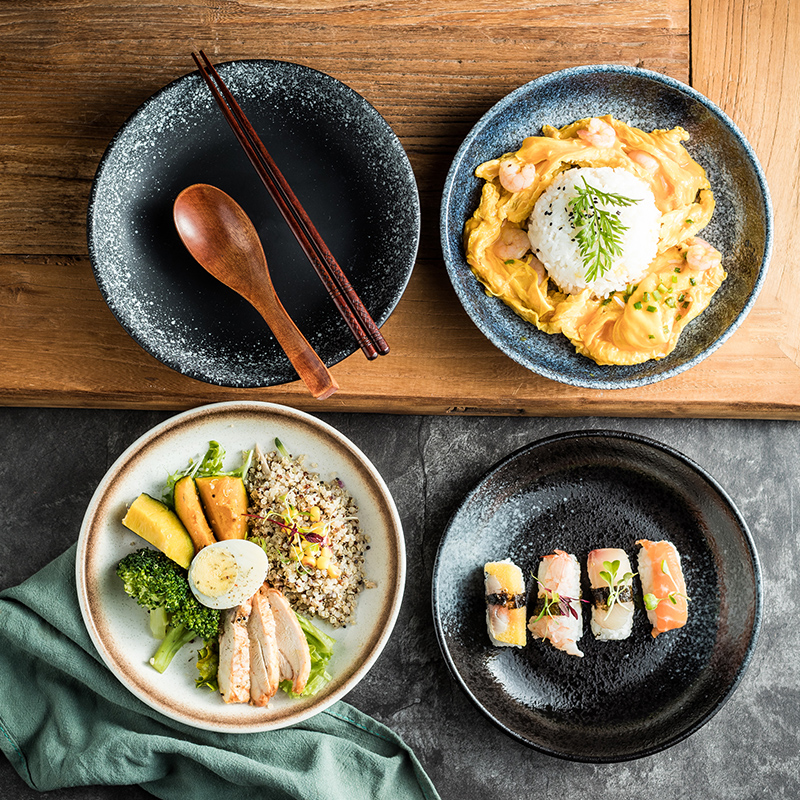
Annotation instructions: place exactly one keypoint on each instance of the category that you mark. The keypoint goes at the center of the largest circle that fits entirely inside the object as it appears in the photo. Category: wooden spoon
(218, 233)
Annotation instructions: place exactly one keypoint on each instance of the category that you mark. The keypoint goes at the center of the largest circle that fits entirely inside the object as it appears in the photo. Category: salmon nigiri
(557, 616)
(663, 585)
(611, 579)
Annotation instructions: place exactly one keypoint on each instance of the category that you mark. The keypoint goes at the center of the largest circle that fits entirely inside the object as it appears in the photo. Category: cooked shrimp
(514, 177)
(598, 134)
(644, 160)
(538, 268)
(513, 243)
(559, 583)
(701, 255)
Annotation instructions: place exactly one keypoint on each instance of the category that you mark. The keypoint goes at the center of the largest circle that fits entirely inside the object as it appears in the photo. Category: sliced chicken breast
(233, 674)
(264, 655)
(295, 658)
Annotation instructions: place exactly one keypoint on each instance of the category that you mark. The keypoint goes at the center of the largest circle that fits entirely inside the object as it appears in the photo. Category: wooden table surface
(72, 72)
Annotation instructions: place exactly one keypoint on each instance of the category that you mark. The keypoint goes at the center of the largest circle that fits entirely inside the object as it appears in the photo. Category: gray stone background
(52, 459)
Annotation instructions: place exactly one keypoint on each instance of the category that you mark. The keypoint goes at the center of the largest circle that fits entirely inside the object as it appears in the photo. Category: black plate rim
(380, 319)
(456, 263)
(702, 473)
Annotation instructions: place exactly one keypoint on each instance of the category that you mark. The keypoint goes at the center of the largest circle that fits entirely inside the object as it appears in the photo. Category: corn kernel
(324, 559)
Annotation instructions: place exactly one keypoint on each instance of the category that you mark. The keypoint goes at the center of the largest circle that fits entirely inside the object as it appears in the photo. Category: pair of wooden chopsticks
(348, 303)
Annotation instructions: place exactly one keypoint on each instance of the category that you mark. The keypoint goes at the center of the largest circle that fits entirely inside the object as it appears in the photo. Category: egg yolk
(214, 572)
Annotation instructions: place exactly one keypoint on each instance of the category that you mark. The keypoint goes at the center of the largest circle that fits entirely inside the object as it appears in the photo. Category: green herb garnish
(651, 601)
(616, 583)
(597, 230)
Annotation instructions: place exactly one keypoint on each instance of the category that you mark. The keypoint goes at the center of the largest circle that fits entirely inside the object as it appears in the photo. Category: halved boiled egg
(226, 573)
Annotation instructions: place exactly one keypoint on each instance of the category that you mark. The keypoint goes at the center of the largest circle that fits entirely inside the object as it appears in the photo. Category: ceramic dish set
(573, 492)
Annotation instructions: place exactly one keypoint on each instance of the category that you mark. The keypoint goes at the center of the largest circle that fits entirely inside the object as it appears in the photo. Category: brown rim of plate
(99, 625)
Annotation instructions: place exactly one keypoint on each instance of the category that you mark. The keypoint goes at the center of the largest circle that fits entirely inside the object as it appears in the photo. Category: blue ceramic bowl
(741, 227)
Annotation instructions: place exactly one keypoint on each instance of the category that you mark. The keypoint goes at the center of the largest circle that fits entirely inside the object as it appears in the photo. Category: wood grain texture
(73, 71)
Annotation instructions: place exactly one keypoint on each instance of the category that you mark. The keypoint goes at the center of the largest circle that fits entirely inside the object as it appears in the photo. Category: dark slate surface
(53, 459)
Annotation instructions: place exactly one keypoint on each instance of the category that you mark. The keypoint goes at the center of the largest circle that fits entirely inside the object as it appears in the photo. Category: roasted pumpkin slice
(225, 502)
(157, 524)
(190, 511)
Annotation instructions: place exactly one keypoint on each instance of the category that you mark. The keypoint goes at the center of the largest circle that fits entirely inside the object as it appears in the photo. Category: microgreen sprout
(651, 602)
(616, 583)
(555, 604)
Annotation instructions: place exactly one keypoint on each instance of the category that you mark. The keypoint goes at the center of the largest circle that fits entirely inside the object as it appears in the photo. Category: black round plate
(344, 163)
(622, 700)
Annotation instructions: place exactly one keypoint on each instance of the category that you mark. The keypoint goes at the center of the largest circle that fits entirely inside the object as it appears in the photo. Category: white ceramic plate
(119, 628)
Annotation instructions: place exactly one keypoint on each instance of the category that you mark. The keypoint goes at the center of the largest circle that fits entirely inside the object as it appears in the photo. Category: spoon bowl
(224, 241)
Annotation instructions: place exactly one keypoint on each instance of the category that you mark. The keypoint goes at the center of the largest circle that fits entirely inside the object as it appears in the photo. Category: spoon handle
(309, 365)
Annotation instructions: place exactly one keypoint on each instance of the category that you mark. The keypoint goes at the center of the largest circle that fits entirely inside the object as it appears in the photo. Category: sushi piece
(557, 616)
(505, 603)
(663, 585)
(611, 580)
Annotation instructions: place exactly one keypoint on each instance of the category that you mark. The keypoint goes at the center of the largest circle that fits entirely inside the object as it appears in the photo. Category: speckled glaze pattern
(119, 628)
(578, 491)
(741, 226)
(345, 165)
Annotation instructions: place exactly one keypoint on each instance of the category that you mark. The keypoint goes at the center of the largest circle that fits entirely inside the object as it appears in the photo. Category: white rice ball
(553, 239)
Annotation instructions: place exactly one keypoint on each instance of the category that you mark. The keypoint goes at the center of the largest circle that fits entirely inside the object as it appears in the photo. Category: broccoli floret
(201, 620)
(155, 581)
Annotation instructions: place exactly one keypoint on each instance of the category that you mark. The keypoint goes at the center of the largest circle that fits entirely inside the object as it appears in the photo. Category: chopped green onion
(637, 304)
(693, 281)
(670, 302)
(652, 309)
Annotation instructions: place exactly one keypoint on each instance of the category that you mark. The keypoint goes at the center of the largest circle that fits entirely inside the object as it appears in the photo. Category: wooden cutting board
(72, 72)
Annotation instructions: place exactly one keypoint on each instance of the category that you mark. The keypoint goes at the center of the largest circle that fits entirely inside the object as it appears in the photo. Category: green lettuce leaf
(207, 666)
(212, 463)
(320, 646)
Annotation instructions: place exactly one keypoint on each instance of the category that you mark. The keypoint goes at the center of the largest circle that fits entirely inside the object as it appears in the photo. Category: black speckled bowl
(345, 165)
(622, 700)
(741, 226)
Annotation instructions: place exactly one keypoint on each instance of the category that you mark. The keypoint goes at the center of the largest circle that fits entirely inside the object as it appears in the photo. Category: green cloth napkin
(65, 720)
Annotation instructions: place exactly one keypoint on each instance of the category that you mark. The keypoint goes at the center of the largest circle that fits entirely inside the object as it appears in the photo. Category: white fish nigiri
(611, 578)
(505, 603)
(557, 617)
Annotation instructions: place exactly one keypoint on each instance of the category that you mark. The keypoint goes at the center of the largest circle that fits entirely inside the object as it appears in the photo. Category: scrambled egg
(627, 327)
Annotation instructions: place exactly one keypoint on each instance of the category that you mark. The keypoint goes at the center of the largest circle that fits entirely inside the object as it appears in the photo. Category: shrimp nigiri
(557, 616)
(611, 579)
(505, 603)
(663, 585)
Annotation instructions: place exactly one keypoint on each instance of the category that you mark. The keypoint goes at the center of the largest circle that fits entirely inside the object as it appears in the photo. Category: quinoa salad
(310, 531)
